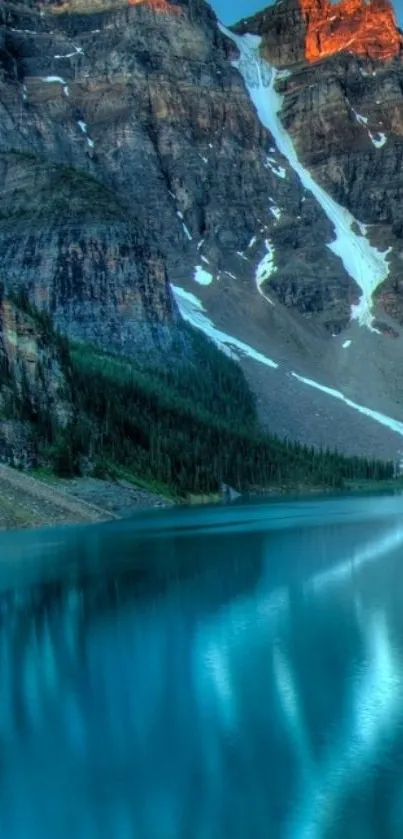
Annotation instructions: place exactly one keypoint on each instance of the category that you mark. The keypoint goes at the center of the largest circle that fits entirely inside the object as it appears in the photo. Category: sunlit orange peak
(158, 6)
(364, 28)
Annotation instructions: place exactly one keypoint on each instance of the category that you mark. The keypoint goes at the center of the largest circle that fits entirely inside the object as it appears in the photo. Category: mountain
(146, 180)
(296, 31)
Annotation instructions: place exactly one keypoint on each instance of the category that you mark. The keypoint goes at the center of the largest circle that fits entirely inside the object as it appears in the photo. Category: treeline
(191, 425)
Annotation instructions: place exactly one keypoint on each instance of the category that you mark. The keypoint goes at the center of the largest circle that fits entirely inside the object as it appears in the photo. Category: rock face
(345, 116)
(283, 29)
(32, 382)
(298, 30)
(130, 153)
(80, 256)
(363, 28)
(343, 108)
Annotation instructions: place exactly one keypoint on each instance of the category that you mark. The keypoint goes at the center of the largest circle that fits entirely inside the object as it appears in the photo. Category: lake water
(222, 673)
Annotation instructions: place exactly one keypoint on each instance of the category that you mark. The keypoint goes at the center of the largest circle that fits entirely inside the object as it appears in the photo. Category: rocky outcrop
(33, 384)
(293, 31)
(283, 28)
(363, 28)
(31, 360)
(80, 256)
(17, 445)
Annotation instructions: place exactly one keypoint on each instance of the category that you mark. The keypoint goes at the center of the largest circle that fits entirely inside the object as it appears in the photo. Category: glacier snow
(265, 269)
(192, 310)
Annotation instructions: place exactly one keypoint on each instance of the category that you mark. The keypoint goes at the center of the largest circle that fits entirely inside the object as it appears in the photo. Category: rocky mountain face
(132, 160)
(32, 381)
(309, 30)
(283, 29)
(353, 106)
(366, 29)
(158, 163)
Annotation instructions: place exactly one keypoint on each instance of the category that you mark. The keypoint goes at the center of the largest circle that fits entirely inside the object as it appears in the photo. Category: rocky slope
(132, 159)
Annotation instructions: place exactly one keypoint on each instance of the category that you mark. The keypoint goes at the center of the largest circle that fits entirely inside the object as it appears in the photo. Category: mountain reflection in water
(226, 672)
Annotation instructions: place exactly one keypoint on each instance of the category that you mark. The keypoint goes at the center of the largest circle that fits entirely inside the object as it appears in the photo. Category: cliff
(143, 162)
(34, 387)
(296, 30)
(367, 29)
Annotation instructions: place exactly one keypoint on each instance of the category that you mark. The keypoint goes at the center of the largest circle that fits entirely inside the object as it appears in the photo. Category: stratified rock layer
(129, 154)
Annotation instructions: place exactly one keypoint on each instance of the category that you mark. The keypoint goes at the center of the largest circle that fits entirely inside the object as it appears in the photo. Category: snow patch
(379, 140)
(275, 211)
(192, 310)
(57, 79)
(26, 31)
(204, 259)
(83, 127)
(284, 74)
(252, 241)
(200, 244)
(265, 270)
(202, 276)
(242, 255)
(51, 79)
(77, 51)
(346, 344)
(185, 228)
(362, 120)
(364, 263)
(228, 273)
(394, 425)
(273, 165)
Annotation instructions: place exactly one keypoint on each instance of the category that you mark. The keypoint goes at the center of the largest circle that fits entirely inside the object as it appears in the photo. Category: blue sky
(229, 11)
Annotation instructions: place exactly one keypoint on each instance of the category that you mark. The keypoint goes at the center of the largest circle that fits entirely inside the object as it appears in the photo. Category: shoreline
(29, 501)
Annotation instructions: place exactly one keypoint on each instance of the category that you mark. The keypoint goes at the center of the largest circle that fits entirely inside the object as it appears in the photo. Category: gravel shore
(26, 501)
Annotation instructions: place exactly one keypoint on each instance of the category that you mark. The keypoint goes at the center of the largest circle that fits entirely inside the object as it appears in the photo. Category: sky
(230, 11)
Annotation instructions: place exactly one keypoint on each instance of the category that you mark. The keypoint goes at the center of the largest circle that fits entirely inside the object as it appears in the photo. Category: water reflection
(253, 687)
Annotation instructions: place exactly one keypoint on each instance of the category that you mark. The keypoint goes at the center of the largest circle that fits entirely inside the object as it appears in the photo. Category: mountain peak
(294, 30)
(365, 28)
